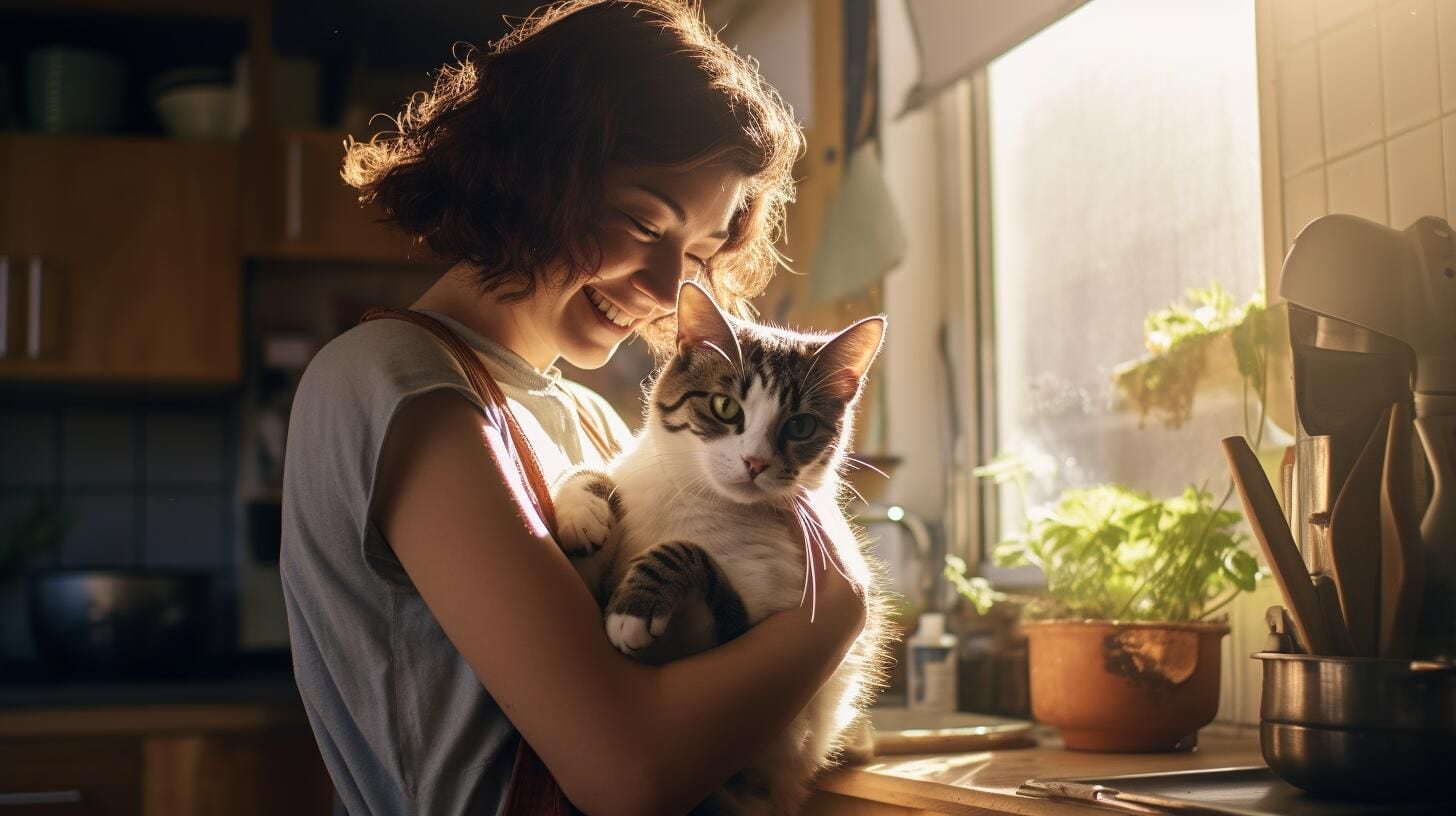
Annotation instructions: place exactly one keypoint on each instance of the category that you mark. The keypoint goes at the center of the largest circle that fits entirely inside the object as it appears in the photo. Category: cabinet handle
(4, 307)
(68, 797)
(34, 310)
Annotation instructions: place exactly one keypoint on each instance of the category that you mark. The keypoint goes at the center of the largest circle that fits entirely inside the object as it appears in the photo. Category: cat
(702, 526)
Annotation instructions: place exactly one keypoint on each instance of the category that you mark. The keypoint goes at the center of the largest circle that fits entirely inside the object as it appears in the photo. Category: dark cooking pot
(121, 621)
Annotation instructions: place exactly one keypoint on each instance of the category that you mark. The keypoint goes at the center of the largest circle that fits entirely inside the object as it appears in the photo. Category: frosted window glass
(1124, 170)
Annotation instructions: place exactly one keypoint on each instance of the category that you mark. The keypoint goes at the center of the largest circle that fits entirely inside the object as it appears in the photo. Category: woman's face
(657, 227)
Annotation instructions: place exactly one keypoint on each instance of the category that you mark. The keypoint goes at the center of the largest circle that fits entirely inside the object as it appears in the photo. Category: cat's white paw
(583, 521)
(633, 633)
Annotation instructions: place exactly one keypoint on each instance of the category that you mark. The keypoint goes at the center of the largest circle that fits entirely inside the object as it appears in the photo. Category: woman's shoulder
(376, 365)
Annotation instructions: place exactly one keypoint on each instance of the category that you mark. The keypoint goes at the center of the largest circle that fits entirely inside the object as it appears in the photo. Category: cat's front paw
(632, 633)
(584, 514)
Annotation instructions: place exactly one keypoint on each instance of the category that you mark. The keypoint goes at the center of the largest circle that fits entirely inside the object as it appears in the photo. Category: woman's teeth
(608, 308)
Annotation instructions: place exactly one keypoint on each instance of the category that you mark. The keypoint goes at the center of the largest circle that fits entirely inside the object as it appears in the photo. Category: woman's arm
(619, 736)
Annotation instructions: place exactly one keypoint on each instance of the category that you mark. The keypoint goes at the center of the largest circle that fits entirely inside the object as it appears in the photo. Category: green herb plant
(1111, 552)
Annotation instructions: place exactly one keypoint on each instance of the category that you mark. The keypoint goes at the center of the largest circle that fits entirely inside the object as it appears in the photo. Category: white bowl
(200, 112)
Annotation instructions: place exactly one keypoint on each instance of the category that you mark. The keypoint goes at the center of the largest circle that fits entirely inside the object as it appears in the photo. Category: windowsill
(985, 781)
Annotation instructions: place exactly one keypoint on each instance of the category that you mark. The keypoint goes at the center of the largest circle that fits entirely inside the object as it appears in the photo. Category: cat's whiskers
(820, 534)
(860, 463)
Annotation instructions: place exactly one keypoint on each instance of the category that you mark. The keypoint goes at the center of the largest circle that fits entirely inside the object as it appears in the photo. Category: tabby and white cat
(702, 527)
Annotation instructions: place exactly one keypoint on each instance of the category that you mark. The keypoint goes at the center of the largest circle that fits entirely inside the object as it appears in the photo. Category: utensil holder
(1358, 727)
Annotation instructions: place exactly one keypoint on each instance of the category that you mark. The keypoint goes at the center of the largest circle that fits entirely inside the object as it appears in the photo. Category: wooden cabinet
(234, 759)
(121, 260)
(298, 206)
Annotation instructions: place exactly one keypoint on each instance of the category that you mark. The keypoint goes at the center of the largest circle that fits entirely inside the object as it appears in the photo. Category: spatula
(1270, 528)
(1355, 542)
(1402, 560)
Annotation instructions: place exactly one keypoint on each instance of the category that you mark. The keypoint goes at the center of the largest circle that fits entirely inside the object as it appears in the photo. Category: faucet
(919, 536)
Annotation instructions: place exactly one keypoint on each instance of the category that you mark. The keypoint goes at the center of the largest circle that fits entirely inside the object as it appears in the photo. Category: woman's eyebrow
(677, 209)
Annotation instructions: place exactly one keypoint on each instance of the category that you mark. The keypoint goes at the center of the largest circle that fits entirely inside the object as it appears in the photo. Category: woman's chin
(589, 356)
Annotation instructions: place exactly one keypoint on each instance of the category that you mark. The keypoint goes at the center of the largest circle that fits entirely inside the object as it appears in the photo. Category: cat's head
(757, 413)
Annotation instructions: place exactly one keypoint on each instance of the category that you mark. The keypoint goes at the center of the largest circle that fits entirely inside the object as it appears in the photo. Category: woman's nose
(659, 280)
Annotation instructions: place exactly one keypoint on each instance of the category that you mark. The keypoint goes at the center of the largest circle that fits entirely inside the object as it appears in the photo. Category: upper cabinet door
(122, 260)
(298, 206)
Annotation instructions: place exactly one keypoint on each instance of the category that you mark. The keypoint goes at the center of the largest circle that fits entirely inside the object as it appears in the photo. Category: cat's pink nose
(755, 466)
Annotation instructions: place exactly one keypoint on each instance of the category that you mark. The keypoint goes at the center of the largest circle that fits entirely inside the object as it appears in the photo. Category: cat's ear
(846, 358)
(701, 324)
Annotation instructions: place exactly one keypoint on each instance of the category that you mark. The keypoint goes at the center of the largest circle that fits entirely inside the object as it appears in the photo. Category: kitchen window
(1120, 168)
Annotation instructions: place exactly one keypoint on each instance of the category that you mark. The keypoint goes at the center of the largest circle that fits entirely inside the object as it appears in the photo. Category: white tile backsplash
(1410, 68)
(1333, 12)
(1301, 144)
(1357, 185)
(1294, 23)
(1350, 87)
(1448, 153)
(1417, 185)
(1446, 45)
(1304, 201)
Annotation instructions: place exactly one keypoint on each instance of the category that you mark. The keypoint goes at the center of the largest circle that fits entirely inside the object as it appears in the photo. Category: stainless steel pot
(121, 621)
(1358, 727)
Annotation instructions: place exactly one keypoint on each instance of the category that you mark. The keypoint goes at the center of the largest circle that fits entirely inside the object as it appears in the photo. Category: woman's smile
(611, 311)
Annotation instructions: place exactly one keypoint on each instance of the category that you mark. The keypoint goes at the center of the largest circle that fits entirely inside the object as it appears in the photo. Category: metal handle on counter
(1140, 803)
(67, 797)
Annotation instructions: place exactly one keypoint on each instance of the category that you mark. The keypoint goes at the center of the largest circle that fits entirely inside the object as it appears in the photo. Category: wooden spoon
(1402, 559)
(1270, 528)
(1355, 550)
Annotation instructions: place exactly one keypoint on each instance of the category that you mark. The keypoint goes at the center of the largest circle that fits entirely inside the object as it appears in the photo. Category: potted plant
(1124, 648)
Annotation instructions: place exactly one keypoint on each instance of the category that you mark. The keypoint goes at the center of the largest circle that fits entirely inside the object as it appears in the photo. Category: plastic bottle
(932, 666)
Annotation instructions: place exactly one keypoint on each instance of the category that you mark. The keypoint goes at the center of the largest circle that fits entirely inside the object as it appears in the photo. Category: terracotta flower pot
(1124, 687)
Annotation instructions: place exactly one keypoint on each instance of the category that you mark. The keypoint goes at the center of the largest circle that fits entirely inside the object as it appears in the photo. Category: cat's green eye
(800, 426)
(725, 407)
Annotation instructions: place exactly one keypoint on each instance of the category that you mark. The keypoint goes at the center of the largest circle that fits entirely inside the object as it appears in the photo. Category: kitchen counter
(985, 782)
(253, 681)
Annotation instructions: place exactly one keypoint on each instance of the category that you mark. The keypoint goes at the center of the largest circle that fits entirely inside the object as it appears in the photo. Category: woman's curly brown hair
(501, 165)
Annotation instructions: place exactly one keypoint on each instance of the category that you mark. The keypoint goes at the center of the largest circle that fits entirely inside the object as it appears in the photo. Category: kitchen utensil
(1355, 542)
(1328, 593)
(1311, 510)
(1358, 726)
(1395, 291)
(1262, 509)
(902, 731)
(1401, 554)
(120, 621)
(1282, 637)
(73, 90)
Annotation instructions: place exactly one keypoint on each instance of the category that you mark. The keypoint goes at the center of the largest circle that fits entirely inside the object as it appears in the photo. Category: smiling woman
(575, 174)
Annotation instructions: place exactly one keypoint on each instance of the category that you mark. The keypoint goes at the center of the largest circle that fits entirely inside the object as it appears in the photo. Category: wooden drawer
(105, 771)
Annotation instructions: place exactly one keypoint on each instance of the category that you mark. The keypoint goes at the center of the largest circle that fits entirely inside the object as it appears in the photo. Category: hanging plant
(1178, 339)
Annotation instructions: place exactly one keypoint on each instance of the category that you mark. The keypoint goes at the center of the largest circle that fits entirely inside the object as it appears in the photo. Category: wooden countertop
(985, 782)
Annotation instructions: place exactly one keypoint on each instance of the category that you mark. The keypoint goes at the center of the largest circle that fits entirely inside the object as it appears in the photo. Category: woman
(596, 157)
